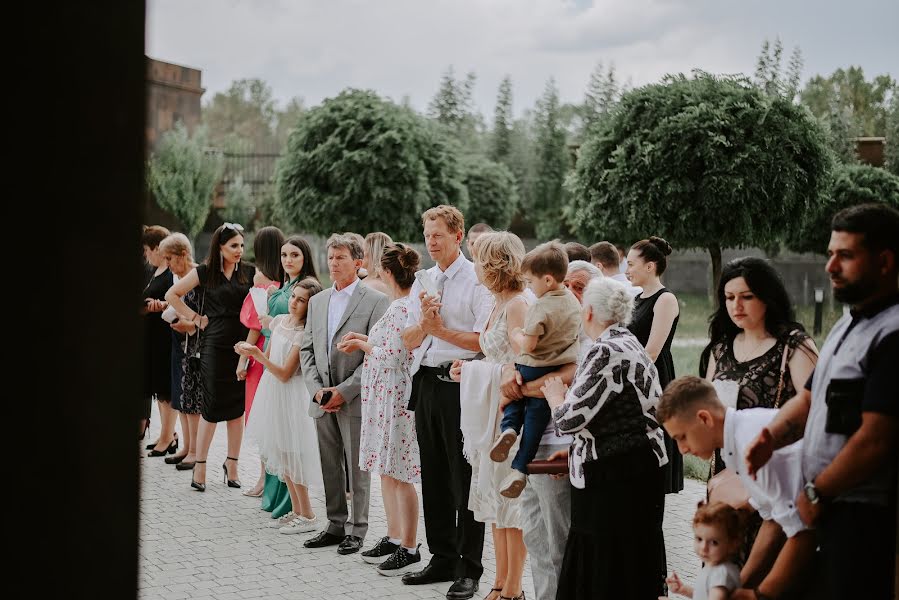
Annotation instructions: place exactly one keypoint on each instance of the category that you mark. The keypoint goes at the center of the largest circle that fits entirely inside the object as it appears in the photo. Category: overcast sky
(315, 48)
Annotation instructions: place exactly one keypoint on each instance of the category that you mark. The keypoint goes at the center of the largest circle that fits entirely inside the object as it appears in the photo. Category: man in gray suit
(333, 379)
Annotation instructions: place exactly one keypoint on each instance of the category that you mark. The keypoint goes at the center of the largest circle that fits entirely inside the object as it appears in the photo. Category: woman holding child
(498, 259)
(615, 545)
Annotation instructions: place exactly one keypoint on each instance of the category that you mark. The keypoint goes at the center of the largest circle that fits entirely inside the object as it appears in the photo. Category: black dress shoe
(173, 460)
(462, 589)
(430, 574)
(350, 545)
(323, 539)
(184, 466)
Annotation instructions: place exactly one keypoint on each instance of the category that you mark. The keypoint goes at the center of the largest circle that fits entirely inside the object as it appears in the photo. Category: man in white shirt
(605, 256)
(441, 329)
(695, 418)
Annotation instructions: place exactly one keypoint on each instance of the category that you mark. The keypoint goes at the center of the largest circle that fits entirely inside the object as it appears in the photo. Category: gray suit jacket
(322, 368)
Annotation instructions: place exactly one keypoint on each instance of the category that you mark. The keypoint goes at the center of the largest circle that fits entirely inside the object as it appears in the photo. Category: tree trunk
(715, 252)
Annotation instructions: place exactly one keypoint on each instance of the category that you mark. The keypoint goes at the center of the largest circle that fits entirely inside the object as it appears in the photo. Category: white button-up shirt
(466, 307)
(632, 289)
(337, 304)
(777, 485)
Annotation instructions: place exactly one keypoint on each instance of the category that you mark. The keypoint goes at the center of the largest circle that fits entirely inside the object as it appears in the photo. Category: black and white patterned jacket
(610, 407)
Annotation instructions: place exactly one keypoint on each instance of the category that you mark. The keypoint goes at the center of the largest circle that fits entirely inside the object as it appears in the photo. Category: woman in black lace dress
(654, 323)
(754, 337)
(756, 343)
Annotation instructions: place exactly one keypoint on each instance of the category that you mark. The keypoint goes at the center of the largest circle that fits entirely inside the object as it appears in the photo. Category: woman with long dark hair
(297, 264)
(226, 281)
(268, 278)
(754, 335)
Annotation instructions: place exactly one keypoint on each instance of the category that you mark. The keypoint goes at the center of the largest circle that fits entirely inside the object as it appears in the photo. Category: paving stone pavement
(217, 544)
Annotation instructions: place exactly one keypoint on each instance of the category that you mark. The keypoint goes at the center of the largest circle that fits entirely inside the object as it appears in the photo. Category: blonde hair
(177, 244)
(451, 215)
(375, 243)
(684, 396)
(500, 255)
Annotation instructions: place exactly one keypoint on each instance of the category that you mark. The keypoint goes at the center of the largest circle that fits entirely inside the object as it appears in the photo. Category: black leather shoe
(429, 574)
(350, 545)
(323, 539)
(173, 460)
(462, 589)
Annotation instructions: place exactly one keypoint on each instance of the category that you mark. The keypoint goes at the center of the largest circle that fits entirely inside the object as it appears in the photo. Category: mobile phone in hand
(326, 397)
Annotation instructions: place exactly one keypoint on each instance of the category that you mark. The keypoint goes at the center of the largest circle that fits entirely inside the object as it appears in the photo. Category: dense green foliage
(492, 196)
(852, 184)
(182, 175)
(361, 163)
(704, 162)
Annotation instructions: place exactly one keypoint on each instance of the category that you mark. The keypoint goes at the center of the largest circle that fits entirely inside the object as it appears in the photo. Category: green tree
(852, 184)
(705, 162)
(770, 75)
(551, 165)
(492, 197)
(182, 175)
(245, 112)
(454, 109)
(503, 120)
(867, 102)
(286, 120)
(603, 91)
(239, 205)
(361, 163)
(891, 152)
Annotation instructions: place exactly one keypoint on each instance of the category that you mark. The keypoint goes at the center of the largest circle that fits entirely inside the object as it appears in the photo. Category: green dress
(275, 495)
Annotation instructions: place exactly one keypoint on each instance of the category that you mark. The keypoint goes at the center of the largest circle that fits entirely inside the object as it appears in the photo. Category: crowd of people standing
(535, 392)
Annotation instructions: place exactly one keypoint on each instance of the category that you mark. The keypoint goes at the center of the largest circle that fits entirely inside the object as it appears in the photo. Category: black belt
(441, 372)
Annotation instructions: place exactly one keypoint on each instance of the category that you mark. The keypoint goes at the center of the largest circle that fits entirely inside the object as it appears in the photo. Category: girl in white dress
(388, 446)
(279, 422)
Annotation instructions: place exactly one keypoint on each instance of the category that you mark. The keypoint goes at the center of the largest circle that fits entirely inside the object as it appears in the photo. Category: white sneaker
(300, 525)
(512, 486)
(278, 523)
(500, 450)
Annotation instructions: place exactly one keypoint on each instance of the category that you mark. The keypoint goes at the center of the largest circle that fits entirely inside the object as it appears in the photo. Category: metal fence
(256, 169)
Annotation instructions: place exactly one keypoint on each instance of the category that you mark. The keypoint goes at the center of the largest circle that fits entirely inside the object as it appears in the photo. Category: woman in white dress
(497, 260)
(279, 422)
(388, 446)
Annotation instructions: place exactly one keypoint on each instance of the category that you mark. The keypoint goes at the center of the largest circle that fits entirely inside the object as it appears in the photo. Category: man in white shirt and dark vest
(440, 330)
(848, 413)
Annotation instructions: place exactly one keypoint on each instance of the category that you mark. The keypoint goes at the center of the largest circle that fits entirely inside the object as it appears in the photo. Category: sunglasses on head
(233, 226)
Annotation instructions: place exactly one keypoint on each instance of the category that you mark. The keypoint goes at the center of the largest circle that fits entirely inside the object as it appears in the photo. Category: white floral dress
(388, 445)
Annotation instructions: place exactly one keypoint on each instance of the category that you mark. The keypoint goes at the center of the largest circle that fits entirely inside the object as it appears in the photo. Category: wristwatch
(811, 492)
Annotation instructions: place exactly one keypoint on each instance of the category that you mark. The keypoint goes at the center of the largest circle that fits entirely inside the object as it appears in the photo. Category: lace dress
(759, 378)
(388, 444)
(492, 507)
(280, 423)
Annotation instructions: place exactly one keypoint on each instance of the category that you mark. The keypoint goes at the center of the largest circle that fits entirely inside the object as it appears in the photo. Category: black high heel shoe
(200, 487)
(232, 483)
(172, 448)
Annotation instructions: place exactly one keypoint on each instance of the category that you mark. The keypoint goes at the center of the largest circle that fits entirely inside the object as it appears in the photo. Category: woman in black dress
(225, 282)
(654, 323)
(615, 546)
(158, 342)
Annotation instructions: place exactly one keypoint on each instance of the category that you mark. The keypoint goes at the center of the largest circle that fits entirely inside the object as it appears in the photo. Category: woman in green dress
(296, 258)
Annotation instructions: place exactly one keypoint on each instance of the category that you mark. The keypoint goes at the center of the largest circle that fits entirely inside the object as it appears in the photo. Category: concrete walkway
(217, 544)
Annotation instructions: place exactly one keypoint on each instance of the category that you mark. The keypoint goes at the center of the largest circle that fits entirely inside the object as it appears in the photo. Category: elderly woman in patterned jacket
(615, 546)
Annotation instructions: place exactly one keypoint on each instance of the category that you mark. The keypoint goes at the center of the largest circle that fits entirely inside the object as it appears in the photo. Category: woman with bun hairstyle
(654, 322)
(388, 446)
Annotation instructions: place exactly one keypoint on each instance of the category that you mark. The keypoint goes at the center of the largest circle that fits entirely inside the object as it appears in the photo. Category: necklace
(752, 352)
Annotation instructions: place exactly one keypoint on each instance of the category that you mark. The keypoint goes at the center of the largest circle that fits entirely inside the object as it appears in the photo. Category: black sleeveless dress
(157, 341)
(224, 397)
(641, 327)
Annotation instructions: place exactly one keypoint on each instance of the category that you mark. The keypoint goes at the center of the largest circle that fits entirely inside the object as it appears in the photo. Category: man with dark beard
(848, 413)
